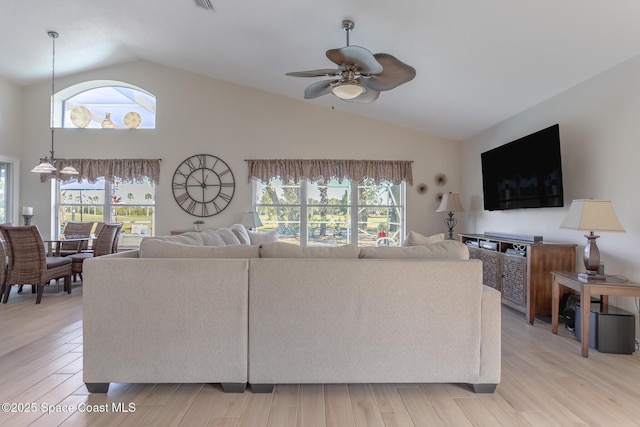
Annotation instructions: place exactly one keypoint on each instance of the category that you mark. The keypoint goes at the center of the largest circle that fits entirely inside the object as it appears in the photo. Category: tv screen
(525, 173)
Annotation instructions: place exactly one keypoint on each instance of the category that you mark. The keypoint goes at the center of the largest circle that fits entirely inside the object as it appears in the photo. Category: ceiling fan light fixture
(348, 90)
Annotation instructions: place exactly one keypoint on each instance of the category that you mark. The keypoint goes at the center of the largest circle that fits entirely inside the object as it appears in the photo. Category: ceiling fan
(361, 75)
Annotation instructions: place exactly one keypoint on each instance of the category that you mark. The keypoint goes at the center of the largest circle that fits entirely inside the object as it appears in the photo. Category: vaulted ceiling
(477, 62)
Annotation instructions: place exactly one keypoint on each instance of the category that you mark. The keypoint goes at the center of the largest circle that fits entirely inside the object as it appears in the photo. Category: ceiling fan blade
(395, 73)
(328, 72)
(319, 88)
(355, 55)
(367, 96)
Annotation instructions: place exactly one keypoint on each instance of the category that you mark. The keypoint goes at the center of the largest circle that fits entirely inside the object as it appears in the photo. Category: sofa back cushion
(446, 249)
(289, 250)
(188, 238)
(156, 248)
(417, 239)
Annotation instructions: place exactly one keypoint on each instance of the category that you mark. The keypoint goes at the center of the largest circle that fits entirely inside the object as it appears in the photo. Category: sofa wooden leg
(97, 387)
(262, 388)
(233, 387)
(484, 388)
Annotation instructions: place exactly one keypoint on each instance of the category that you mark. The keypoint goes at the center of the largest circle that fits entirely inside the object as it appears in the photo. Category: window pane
(4, 200)
(118, 101)
(278, 193)
(329, 226)
(286, 219)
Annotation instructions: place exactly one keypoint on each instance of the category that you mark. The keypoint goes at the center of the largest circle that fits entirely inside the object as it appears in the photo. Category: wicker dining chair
(104, 244)
(27, 262)
(3, 266)
(75, 229)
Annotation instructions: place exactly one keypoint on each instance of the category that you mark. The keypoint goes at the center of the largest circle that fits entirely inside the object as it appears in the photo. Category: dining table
(55, 245)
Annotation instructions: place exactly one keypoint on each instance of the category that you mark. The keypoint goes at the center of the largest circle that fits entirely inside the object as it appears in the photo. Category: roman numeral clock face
(203, 185)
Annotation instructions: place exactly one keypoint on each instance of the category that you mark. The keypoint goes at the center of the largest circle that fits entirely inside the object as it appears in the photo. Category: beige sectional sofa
(176, 312)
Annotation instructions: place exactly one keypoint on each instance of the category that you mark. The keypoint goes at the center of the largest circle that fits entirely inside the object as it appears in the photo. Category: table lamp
(450, 203)
(251, 220)
(591, 215)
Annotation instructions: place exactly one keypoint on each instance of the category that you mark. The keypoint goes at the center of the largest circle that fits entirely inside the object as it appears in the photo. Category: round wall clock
(203, 185)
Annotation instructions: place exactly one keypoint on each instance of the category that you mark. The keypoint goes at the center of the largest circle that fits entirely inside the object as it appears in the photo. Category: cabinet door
(514, 279)
(490, 268)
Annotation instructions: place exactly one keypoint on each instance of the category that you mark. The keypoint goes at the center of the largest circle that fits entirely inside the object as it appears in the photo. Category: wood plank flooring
(545, 382)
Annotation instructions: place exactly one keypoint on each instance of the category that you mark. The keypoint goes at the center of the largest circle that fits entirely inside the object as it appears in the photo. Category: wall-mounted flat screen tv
(525, 173)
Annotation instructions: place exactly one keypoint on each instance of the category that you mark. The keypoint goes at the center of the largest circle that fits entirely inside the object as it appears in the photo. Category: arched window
(105, 104)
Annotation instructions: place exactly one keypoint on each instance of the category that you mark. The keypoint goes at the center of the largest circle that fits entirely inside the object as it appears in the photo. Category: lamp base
(588, 276)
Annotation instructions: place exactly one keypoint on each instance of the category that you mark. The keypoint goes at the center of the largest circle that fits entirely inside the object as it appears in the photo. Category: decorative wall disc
(440, 179)
(80, 116)
(439, 197)
(422, 188)
(132, 120)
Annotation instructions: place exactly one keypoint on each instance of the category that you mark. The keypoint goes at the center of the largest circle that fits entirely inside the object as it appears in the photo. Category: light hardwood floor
(545, 382)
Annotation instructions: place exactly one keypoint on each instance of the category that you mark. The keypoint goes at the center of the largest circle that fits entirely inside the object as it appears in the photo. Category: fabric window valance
(395, 171)
(91, 169)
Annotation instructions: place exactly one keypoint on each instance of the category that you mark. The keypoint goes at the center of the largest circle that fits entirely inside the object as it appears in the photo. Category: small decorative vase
(107, 123)
(197, 227)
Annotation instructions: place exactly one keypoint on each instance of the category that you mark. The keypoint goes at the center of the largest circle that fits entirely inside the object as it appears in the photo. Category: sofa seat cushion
(446, 249)
(289, 250)
(156, 248)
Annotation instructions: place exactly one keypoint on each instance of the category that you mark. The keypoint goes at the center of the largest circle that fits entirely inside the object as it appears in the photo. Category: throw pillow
(154, 248)
(241, 233)
(260, 237)
(446, 249)
(228, 236)
(289, 250)
(417, 239)
(211, 238)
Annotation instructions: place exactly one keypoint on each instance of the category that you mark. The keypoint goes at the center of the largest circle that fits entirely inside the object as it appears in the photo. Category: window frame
(107, 206)
(12, 179)
(354, 209)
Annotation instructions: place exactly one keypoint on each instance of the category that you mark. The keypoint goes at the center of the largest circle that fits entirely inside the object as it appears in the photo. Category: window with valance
(91, 169)
(331, 202)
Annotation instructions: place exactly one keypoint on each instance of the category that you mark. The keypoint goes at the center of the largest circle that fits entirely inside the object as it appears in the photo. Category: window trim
(14, 186)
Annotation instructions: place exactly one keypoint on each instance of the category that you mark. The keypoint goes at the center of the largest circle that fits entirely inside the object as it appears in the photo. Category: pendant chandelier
(48, 164)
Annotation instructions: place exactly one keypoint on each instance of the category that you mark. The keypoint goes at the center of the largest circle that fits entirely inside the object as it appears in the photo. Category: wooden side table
(612, 286)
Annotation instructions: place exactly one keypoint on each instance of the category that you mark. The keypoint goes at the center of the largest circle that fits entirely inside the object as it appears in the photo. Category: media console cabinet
(521, 269)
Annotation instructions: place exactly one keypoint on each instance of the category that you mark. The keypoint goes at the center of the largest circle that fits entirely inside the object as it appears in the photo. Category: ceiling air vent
(205, 4)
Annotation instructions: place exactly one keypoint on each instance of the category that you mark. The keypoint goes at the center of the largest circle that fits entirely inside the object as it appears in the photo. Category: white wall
(196, 114)
(599, 133)
(11, 127)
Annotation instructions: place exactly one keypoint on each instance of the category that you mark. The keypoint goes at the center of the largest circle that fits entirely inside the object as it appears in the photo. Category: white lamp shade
(348, 90)
(44, 167)
(591, 215)
(69, 170)
(251, 220)
(450, 203)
